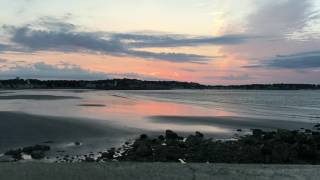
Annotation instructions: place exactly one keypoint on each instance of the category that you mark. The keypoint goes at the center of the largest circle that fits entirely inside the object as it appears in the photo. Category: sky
(206, 41)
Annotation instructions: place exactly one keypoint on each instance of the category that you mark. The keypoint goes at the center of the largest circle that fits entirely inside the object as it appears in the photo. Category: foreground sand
(20, 129)
(154, 171)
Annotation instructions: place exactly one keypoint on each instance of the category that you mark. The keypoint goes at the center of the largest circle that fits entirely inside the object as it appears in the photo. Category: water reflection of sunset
(135, 112)
(153, 108)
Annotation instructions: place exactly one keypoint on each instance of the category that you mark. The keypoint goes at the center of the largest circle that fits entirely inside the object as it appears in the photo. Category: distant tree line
(112, 84)
(134, 84)
(271, 87)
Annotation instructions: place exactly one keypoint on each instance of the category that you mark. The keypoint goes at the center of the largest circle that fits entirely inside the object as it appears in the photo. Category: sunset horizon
(210, 42)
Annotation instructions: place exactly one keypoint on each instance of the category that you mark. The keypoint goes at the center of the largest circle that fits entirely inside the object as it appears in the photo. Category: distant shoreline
(135, 84)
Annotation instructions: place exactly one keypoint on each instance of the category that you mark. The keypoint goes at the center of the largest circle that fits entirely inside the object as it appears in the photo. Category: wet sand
(232, 122)
(20, 129)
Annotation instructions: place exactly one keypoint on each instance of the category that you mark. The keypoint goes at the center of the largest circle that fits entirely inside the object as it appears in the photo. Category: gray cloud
(288, 23)
(230, 77)
(36, 40)
(282, 18)
(4, 47)
(236, 77)
(304, 60)
(57, 24)
(174, 57)
(189, 70)
(67, 71)
(50, 34)
(45, 71)
(147, 41)
(73, 41)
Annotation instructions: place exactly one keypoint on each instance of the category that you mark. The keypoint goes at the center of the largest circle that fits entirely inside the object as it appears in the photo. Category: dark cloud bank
(304, 60)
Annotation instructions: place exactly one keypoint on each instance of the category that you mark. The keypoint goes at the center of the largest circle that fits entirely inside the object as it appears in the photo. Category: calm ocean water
(301, 105)
(135, 109)
(132, 108)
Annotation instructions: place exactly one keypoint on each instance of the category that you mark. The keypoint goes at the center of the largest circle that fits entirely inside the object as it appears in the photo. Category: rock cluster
(36, 152)
(267, 147)
(273, 147)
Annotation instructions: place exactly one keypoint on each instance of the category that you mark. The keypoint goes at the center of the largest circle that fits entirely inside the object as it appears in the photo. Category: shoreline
(260, 147)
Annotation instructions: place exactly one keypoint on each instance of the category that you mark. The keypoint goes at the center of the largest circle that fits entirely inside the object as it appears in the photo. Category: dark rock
(199, 134)
(170, 135)
(109, 154)
(89, 159)
(266, 149)
(193, 140)
(308, 131)
(161, 138)
(257, 132)
(30, 149)
(144, 150)
(173, 153)
(315, 133)
(143, 136)
(37, 154)
(16, 154)
(275, 147)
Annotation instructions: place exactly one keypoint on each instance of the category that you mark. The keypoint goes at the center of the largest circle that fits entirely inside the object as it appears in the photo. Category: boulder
(16, 154)
(38, 154)
(170, 135)
(257, 132)
(143, 137)
(144, 150)
(30, 149)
